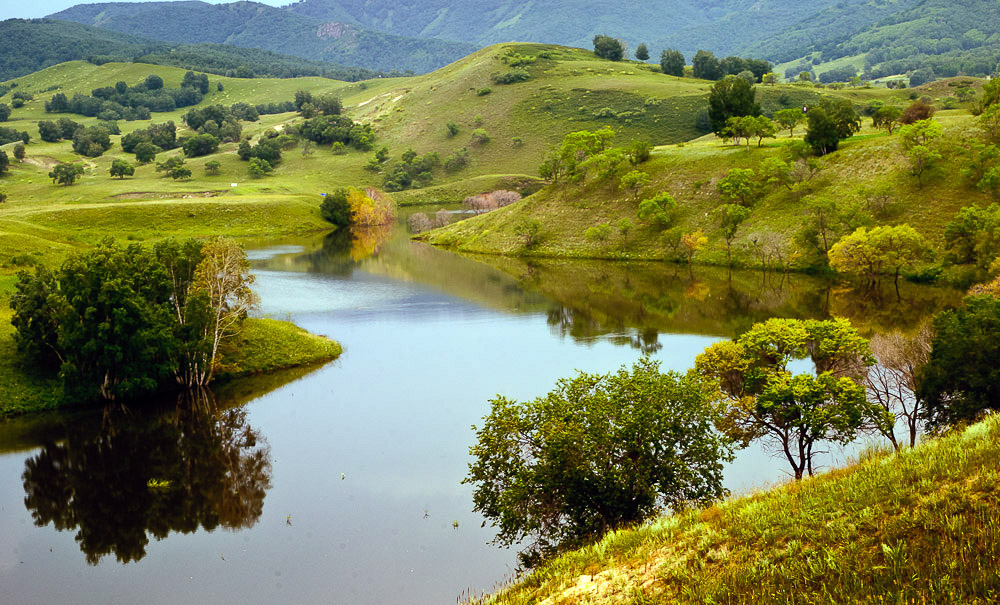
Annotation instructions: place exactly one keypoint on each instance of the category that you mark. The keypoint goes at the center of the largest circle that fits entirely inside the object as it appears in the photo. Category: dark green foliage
(962, 379)
(608, 48)
(196, 118)
(125, 102)
(840, 74)
(4, 162)
(201, 144)
(4, 112)
(9, 135)
(19, 151)
(731, 97)
(268, 150)
(153, 82)
(259, 168)
(411, 171)
(599, 452)
(706, 66)
(672, 62)
(91, 141)
(66, 174)
(121, 169)
(162, 136)
(452, 129)
(335, 208)
(145, 152)
(828, 124)
(328, 105)
(642, 53)
(338, 129)
(511, 77)
(196, 81)
(457, 160)
(51, 132)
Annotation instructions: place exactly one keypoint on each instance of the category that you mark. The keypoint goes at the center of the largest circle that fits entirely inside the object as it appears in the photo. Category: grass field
(919, 526)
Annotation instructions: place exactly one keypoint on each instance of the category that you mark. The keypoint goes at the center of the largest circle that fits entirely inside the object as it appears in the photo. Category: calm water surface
(342, 485)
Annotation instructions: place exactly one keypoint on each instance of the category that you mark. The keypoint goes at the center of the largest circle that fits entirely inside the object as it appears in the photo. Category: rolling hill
(255, 25)
(27, 46)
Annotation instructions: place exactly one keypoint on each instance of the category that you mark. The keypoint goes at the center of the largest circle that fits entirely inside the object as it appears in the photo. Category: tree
(692, 242)
(962, 379)
(706, 66)
(641, 53)
(199, 145)
(4, 162)
(335, 208)
(892, 381)
(883, 250)
(887, 118)
(634, 181)
(917, 111)
(731, 97)
(153, 82)
(5, 109)
(224, 279)
(328, 105)
(259, 168)
(66, 174)
(789, 119)
(672, 62)
(121, 169)
(145, 153)
(625, 227)
(922, 132)
(180, 172)
(731, 216)
(19, 151)
(921, 159)
(740, 186)
(829, 123)
(91, 141)
(452, 129)
(658, 210)
(212, 167)
(760, 398)
(608, 48)
(599, 452)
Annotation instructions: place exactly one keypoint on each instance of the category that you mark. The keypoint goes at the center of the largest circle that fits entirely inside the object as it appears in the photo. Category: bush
(480, 136)
(511, 77)
(199, 145)
(335, 208)
(482, 92)
(457, 160)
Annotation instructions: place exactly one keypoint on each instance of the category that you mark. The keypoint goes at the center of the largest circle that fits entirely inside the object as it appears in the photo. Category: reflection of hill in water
(629, 302)
(137, 477)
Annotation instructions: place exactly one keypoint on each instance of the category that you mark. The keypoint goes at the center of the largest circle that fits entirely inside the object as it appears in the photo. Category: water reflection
(197, 467)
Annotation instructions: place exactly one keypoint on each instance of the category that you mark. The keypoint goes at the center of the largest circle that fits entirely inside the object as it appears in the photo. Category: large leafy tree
(608, 48)
(731, 97)
(672, 62)
(962, 378)
(883, 250)
(829, 123)
(761, 398)
(597, 453)
(706, 66)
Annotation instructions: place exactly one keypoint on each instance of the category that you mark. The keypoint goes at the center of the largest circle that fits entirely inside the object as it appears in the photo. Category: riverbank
(918, 526)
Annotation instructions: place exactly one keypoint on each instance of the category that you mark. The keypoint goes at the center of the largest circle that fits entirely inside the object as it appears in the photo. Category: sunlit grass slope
(920, 526)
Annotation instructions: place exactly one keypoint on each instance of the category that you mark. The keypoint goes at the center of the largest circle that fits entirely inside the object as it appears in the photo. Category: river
(342, 484)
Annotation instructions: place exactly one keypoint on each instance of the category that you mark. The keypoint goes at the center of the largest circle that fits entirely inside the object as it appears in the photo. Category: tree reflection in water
(197, 467)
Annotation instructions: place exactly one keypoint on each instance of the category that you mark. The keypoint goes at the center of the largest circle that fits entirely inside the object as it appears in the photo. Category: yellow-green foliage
(919, 526)
(266, 345)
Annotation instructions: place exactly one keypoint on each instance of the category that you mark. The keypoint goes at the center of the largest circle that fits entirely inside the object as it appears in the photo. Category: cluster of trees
(119, 322)
(355, 207)
(410, 171)
(334, 129)
(10, 135)
(221, 122)
(310, 105)
(122, 101)
(706, 66)
(148, 142)
(584, 152)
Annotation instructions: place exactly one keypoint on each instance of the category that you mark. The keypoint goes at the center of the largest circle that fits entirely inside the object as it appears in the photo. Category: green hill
(255, 25)
(918, 526)
(27, 46)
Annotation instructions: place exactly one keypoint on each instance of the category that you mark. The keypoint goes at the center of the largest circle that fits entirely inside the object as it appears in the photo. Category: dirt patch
(41, 161)
(157, 195)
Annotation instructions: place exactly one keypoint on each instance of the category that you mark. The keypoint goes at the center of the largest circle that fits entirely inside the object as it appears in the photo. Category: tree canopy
(597, 453)
(731, 97)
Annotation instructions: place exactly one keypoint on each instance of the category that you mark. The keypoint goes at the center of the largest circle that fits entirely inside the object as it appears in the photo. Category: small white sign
(233, 184)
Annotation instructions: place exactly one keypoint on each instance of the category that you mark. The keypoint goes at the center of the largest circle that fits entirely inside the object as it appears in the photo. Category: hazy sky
(32, 9)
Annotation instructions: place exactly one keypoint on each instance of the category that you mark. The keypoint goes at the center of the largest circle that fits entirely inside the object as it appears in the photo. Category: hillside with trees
(254, 25)
(27, 46)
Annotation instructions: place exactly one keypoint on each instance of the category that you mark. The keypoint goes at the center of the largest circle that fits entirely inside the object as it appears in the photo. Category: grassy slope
(690, 171)
(920, 526)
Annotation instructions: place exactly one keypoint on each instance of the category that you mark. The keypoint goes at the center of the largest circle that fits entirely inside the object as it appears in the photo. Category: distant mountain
(27, 46)
(255, 25)
(723, 26)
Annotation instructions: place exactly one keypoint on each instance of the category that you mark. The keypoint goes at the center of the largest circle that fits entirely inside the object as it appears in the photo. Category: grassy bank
(919, 526)
(264, 346)
(690, 171)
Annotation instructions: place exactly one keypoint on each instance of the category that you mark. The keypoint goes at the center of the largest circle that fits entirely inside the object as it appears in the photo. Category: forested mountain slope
(254, 25)
(27, 46)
